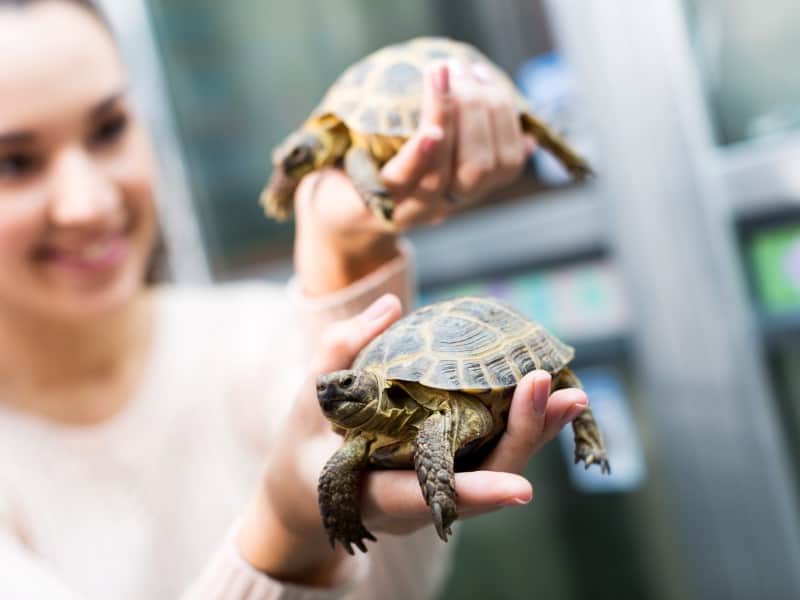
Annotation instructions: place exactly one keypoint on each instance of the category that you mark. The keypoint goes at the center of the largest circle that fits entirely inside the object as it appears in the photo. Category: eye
(347, 381)
(109, 131)
(18, 165)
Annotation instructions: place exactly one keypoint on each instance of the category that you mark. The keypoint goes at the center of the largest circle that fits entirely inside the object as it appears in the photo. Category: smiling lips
(94, 257)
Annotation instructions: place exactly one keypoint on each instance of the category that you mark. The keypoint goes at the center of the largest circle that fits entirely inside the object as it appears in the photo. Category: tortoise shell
(381, 94)
(470, 343)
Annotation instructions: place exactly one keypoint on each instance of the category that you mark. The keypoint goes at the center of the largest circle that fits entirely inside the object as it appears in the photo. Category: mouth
(98, 255)
(338, 407)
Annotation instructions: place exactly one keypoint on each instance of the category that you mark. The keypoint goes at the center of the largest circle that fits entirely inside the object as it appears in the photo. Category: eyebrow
(107, 104)
(15, 138)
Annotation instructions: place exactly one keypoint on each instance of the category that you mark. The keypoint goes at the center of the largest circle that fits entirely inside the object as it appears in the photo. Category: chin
(100, 300)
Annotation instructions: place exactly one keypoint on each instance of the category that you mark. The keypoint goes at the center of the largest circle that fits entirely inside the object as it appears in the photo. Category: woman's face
(77, 215)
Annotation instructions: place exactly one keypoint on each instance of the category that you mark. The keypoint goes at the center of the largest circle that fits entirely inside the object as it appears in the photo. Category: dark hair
(88, 4)
(157, 267)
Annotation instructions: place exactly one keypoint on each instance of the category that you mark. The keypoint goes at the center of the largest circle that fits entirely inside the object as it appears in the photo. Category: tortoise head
(303, 151)
(349, 398)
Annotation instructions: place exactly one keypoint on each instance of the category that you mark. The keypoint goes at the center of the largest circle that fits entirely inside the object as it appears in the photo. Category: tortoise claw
(591, 456)
(442, 519)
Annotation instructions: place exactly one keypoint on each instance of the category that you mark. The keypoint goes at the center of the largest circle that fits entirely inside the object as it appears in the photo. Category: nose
(81, 193)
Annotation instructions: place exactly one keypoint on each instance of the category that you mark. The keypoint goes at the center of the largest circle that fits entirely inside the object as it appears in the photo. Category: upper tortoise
(370, 112)
(433, 392)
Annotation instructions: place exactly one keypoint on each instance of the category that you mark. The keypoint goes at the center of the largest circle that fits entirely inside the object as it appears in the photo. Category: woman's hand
(282, 533)
(469, 144)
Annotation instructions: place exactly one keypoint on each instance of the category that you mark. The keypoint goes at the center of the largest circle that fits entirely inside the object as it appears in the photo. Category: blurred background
(675, 273)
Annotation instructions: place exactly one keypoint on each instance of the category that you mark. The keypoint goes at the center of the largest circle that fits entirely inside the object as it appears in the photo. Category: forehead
(56, 62)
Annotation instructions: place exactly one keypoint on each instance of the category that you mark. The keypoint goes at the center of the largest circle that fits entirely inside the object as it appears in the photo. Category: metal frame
(543, 229)
(702, 375)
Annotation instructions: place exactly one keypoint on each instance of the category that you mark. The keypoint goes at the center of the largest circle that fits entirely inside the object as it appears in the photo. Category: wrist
(272, 548)
(337, 241)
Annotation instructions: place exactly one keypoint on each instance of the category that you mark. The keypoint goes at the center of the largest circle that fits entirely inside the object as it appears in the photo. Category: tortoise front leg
(433, 461)
(339, 494)
(589, 445)
(364, 172)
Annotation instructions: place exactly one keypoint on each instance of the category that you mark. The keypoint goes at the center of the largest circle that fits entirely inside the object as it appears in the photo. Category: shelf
(547, 227)
(762, 175)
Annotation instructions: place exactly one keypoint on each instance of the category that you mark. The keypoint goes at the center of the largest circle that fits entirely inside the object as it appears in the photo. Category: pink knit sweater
(145, 506)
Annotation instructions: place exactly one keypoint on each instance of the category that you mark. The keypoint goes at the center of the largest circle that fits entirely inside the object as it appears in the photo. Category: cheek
(133, 172)
(18, 236)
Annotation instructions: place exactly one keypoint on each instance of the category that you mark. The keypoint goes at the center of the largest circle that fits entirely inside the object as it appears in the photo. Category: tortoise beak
(330, 394)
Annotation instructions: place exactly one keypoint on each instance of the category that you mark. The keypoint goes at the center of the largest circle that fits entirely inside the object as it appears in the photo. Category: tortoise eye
(347, 381)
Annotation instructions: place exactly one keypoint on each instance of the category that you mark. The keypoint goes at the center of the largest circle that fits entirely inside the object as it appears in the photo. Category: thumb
(423, 149)
(343, 340)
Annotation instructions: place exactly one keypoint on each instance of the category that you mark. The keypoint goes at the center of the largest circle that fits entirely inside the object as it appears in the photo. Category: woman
(162, 443)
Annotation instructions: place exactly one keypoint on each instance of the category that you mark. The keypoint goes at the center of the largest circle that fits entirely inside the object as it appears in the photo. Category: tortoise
(433, 392)
(370, 112)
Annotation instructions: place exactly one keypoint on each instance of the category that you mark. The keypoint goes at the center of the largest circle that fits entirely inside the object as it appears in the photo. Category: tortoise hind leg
(551, 141)
(589, 446)
(364, 172)
(338, 488)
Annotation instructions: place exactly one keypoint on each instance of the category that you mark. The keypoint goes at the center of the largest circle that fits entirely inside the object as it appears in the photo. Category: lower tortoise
(433, 392)
(368, 114)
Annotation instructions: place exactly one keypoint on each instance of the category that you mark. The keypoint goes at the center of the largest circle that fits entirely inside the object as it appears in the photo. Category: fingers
(491, 148)
(526, 423)
(420, 173)
(535, 418)
(507, 136)
(427, 155)
(562, 408)
(393, 501)
(343, 340)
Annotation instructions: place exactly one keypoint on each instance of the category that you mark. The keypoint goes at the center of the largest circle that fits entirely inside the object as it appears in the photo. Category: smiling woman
(77, 218)
(135, 421)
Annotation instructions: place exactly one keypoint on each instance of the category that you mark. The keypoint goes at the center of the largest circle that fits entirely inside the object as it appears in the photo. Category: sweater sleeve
(411, 566)
(25, 576)
(229, 577)
(315, 313)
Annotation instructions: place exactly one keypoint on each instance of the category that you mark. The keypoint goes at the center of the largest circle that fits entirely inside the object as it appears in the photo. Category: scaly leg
(589, 445)
(551, 141)
(364, 172)
(433, 461)
(339, 487)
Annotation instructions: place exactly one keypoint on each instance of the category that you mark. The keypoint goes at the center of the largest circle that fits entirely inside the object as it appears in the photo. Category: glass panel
(244, 73)
(747, 53)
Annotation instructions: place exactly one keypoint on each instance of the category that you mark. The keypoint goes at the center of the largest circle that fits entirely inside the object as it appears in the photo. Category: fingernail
(515, 502)
(482, 72)
(427, 145)
(432, 135)
(378, 309)
(441, 79)
(572, 413)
